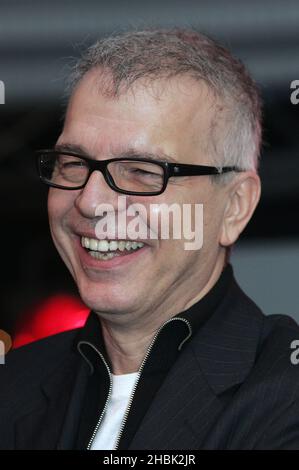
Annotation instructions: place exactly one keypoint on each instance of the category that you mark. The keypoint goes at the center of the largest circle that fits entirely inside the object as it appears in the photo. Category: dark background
(38, 41)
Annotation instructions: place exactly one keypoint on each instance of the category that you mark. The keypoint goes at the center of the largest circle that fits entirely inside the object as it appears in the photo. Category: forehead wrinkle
(101, 140)
(95, 124)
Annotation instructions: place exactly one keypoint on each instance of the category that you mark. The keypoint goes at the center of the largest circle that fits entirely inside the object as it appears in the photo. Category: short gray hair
(167, 53)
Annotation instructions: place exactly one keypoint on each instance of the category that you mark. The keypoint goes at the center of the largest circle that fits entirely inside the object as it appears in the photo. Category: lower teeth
(105, 256)
(102, 256)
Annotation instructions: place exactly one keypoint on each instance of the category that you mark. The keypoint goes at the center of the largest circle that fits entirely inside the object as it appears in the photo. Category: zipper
(108, 396)
(122, 426)
(124, 420)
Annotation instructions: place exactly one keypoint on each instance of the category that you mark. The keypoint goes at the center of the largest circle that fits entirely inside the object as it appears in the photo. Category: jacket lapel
(169, 422)
(218, 358)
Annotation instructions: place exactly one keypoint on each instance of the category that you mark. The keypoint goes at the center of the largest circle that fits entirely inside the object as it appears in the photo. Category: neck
(125, 348)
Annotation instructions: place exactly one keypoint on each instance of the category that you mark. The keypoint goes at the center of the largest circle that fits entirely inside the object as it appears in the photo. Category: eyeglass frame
(169, 170)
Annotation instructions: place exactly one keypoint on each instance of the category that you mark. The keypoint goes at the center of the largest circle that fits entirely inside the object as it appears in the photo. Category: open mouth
(109, 249)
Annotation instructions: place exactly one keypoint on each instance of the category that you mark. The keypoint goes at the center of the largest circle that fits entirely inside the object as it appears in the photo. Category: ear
(243, 196)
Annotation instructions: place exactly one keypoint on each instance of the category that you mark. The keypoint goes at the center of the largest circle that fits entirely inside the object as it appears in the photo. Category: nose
(95, 192)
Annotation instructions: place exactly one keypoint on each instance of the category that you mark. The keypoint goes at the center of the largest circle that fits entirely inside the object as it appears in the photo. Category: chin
(106, 301)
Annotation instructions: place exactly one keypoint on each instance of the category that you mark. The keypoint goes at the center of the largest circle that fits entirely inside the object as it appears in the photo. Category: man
(173, 355)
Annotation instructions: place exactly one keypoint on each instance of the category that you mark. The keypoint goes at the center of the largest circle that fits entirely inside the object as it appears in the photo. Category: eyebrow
(131, 152)
(71, 148)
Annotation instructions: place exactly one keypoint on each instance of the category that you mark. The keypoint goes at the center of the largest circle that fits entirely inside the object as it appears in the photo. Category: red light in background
(58, 313)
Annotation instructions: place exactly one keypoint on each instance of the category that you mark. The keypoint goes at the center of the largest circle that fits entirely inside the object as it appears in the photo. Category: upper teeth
(113, 245)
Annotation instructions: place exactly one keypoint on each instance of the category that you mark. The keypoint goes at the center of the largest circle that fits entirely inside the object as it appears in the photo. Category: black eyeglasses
(134, 176)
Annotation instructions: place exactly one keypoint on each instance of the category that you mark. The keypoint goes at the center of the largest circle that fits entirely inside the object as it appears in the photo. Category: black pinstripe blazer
(233, 387)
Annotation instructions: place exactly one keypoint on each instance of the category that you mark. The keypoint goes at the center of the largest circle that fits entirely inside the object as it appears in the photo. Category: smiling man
(173, 355)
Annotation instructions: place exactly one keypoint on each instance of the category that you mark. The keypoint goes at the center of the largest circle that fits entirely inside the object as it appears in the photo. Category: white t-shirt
(122, 387)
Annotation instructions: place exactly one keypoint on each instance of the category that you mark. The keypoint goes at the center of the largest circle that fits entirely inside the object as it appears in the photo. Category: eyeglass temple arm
(189, 170)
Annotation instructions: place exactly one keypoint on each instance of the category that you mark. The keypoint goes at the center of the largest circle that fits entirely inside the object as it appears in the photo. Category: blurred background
(38, 41)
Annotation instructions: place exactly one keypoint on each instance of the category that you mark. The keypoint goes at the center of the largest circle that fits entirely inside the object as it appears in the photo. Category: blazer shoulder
(270, 339)
(279, 330)
(30, 363)
(278, 352)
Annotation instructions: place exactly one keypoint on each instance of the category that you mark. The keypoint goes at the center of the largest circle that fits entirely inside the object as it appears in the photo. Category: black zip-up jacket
(217, 376)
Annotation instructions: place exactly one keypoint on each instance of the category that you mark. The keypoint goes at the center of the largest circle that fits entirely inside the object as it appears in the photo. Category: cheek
(212, 224)
(59, 204)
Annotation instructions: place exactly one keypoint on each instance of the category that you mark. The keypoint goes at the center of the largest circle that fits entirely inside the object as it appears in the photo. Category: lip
(89, 262)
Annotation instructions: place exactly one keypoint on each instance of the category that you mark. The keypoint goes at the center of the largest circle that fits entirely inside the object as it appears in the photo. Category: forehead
(172, 116)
